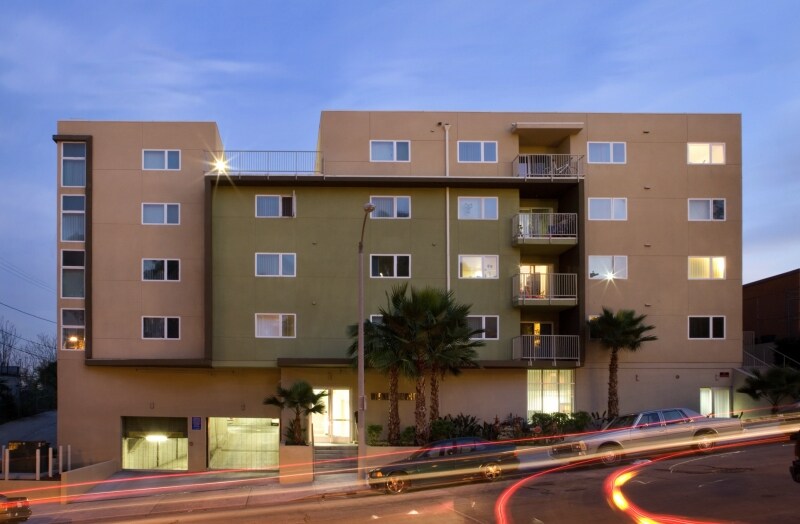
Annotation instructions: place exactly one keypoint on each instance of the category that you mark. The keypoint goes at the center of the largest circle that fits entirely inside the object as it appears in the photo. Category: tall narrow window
(73, 218)
(73, 330)
(72, 274)
(73, 164)
(274, 206)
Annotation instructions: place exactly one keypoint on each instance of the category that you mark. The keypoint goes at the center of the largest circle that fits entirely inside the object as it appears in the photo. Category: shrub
(409, 436)
(374, 434)
(465, 425)
(442, 428)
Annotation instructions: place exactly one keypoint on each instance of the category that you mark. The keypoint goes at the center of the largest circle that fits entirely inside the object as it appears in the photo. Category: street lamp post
(362, 399)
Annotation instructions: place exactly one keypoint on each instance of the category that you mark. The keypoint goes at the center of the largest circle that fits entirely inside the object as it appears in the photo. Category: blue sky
(264, 70)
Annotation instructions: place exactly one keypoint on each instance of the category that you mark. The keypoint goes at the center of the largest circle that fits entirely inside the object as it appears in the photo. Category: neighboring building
(192, 281)
(771, 307)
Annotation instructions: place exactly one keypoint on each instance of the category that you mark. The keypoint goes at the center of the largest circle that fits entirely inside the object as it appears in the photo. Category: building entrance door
(333, 426)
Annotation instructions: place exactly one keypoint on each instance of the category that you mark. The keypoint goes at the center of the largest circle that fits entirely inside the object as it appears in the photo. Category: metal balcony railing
(544, 287)
(534, 226)
(538, 348)
(548, 166)
(265, 162)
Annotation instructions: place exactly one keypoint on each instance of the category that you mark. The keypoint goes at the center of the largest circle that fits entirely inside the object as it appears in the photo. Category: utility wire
(30, 341)
(26, 313)
(21, 274)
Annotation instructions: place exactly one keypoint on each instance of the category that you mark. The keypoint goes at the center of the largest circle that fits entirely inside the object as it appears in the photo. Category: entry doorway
(335, 425)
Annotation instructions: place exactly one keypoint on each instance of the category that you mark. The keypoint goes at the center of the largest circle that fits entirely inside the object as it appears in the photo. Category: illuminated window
(477, 152)
(161, 214)
(391, 207)
(73, 218)
(73, 164)
(608, 267)
(488, 323)
(389, 151)
(477, 266)
(275, 264)
(607, 152)
(477, 208)
(705, 153)
(706, 209)
(161, 269)
(274, 206)
(608, 209)
(551, 391)
(716, 401)
(275, 325)
(706, 327)
(168, 328)
(390, 266)
(161, 159)
(73, 267)
(706, 268)
(73, 331)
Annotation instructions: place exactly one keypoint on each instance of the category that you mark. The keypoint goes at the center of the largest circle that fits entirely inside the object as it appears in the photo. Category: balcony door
(333, 426)
(534, 221)
(534, 279)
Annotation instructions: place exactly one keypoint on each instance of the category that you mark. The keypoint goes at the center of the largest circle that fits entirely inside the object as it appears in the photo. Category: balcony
(545, 166)
(264, 162)
(554, 290)
(554, 349)
(557, 230)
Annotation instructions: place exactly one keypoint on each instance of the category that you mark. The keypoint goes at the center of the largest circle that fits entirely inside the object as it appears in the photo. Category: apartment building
(193, 279)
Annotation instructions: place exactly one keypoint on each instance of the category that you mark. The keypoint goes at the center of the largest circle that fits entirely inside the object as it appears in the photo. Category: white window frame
(484, 260)
(280, 319)
(710, 319)
(280, 265)
(165, 207)
(165, 153)
(395, 258)
(64, 327)
(394, 207)
(709, 261)
(564, 389)
(483, 318)
(64, 157)
(610, 152)
(166, 320)
(73, 212)
(280, 206)
(612, 201)
(376, 318)
(614, 262)
(710, 203)
(82, 268)
(710, 153)
(394, 150)
(483, 200)
(166, 262)
(483, 144)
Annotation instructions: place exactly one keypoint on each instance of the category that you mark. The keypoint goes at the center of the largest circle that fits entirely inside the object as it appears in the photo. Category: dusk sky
(264, 70)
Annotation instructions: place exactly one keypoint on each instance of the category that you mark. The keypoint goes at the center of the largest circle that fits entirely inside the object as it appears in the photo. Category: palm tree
(621, 330)
(301, 398)
(450, 345)
(383, 353)
(774, 385)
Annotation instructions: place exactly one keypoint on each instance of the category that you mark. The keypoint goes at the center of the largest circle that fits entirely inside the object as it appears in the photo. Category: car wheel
(396, 483)
(704, 441)
(610, 454)
(492, 471)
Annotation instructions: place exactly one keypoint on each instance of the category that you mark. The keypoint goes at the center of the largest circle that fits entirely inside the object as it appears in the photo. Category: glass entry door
(333, 426)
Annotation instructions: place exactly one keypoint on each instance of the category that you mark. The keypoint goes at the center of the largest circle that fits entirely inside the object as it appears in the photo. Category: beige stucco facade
(218, 365)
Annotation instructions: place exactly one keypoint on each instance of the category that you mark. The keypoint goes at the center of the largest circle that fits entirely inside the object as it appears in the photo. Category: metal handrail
(544, 286)
(551, 166)
(544, 225)
(546, 347)
(241, 162)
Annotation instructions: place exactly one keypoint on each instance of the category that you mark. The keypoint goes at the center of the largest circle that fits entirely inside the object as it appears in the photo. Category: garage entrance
(243, 443)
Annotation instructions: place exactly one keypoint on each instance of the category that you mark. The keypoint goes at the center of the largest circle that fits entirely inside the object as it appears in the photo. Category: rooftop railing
(265, 162)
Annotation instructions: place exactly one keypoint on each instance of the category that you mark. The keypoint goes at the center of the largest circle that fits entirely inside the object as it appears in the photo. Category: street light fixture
(362, 399)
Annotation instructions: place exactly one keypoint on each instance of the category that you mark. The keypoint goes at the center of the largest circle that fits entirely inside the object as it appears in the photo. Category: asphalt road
(745, 484)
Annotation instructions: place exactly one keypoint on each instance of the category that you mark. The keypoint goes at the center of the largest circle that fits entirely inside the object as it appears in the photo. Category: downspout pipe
(447, 199)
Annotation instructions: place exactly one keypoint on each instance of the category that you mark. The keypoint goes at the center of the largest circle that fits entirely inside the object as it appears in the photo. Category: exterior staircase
(335, 458)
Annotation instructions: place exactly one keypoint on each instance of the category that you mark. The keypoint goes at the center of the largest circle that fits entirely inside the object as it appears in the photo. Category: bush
(374, 434)
(465, 425)
(442, 428)
(409, 436)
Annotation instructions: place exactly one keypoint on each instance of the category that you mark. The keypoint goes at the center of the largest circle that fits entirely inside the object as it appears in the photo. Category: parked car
(646, 432)
(464, 457)
(14, 509)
